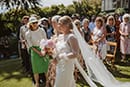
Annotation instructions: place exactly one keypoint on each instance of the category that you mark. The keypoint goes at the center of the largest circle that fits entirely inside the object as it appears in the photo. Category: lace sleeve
(73, 43)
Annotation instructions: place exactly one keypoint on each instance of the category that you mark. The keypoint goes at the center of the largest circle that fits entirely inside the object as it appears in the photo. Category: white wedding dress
(64, 68)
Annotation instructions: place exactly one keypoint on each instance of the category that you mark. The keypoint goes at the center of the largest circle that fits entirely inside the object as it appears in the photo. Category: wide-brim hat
(32, 20)
(43, 19)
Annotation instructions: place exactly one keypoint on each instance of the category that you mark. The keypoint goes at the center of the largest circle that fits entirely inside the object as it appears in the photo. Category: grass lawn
(11, 74)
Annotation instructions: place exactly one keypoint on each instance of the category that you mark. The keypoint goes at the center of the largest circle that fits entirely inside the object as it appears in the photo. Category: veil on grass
(95, 67)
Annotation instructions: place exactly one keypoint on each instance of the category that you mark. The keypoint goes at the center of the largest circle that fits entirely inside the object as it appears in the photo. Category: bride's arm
(73, 43)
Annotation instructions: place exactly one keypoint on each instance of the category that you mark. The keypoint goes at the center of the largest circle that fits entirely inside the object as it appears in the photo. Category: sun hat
(32, 20)
(43, 19)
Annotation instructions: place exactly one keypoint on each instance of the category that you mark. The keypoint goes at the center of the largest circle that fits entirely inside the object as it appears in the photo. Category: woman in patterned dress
(98, 38)
(51, 74)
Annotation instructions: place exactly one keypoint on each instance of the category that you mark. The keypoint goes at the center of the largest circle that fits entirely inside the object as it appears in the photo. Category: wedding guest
(98, 38)
(111, 32)
(34, 35)
(23, 46)
(125, 36)
(54, 22)
(86, 30)
(51, 74)
(47, 27)
(78, 25)
(92, 23)
(111, 29)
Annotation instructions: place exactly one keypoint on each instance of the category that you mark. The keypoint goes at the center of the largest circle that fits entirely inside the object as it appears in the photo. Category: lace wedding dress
(64, 68)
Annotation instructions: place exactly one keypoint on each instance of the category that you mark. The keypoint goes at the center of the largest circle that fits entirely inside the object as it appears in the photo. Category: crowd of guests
(96, 32)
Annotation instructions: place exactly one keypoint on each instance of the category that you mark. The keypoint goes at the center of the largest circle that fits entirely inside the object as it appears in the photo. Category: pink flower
(47, 44)
(50, 44)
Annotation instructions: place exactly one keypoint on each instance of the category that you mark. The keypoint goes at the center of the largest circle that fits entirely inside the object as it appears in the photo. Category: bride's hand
(63, 56)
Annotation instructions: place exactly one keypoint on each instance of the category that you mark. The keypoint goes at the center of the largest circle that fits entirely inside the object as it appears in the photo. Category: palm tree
(15, 6)
(19, 3)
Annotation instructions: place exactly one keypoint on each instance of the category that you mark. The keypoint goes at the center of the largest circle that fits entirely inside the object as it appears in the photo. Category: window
(125, 3)
(114, 3)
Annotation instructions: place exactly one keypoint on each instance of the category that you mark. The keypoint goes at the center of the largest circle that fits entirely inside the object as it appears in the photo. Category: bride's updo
(66, 20)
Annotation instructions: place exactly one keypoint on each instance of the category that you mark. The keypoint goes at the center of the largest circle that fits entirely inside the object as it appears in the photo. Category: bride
(67, 49)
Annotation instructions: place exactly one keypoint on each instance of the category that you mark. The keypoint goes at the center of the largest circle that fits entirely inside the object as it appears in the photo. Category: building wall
(109, 4)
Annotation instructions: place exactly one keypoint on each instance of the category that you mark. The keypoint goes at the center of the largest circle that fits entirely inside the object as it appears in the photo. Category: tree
(83, 7)
(96, 5)
(70, 10)
(19, 3)
(62, 9)
(120, 11)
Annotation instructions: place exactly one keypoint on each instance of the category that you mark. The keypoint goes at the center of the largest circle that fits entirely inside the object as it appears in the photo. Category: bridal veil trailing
(95, 67)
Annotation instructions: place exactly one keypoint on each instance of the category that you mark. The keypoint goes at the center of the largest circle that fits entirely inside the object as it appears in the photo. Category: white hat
(32, 20)
(42, 19)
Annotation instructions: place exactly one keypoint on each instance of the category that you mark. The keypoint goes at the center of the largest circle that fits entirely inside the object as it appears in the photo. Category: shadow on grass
(11, 68)
(120, 75)
(118, 72)
(118, 59)
(18, 77)
(123, 64)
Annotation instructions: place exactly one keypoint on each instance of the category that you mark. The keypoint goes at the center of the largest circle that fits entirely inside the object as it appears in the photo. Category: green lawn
(11, 74)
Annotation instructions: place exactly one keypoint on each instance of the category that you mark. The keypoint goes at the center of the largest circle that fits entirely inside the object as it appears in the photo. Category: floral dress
(100, 46)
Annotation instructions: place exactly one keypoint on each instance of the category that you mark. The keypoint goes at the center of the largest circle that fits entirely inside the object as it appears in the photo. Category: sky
(49, 3)
(55, 2)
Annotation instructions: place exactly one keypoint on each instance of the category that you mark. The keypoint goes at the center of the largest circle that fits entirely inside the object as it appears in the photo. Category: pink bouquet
(47, 46)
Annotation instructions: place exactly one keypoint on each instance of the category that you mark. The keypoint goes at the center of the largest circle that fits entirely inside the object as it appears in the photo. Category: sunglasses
(35, 23)
(26, 18)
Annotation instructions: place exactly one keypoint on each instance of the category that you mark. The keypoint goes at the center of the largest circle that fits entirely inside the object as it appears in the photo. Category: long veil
(96, 69)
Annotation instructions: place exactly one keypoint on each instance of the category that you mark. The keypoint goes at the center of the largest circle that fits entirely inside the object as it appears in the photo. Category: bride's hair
(66, 20)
